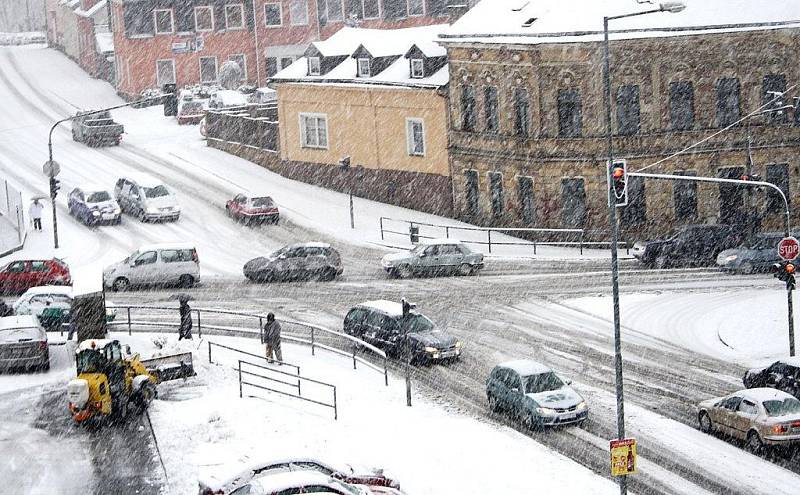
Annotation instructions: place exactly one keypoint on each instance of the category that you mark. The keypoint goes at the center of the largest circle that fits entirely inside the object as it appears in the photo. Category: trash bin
(413, 232)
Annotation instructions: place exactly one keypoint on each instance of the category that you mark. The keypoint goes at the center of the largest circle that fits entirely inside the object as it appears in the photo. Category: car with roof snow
(20, 275)
(190, 111)
(146, 198)
(762, 417)
(383, 324)
(689, 245)
(94, 205)
(226, 479)
(304, 261)
(51, 304)
(23, 344)
(783, 374)
(300, 482)
(434, 257)
(175, 264)
(534, 394)
(252, 209)
(227, 98)
(756, 254)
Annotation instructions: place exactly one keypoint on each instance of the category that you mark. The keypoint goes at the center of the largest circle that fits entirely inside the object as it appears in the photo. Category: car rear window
(777, 407)
(265, 201)
(97, 197)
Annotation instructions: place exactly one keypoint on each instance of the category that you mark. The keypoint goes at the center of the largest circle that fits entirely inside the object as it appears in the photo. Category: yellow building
(376, 97)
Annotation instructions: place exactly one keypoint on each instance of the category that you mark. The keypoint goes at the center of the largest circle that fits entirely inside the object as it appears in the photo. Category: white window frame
(160, 83)
(420, 64)
(327, 11)
(171, 21)
(364, 10)
(303, 117)
(243, 66)
(216, 69)
(211, 11)
(362, 62)
(410, 142)
(280, 14)
(408, 8)
(291, 21)
(241, 10)
(316, 62)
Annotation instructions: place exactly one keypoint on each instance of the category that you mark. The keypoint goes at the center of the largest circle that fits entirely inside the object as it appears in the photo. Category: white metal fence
(13, 211)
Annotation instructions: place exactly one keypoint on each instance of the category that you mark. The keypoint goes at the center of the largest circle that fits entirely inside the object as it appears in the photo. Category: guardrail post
(199, 327)
(581, 242)
(261, 328)
(298, 383)
(489, 232)
(447, 231)
(534, 246)
(385, 371)
(335, 409)
(240, 378)
(381, 220)
(354, 356)
(129, 320)
(209, 353)
(312, 342)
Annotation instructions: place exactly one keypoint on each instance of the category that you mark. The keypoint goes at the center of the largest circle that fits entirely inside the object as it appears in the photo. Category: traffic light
(750, 177)
(784, 271)
(618, 182)
(55, 185)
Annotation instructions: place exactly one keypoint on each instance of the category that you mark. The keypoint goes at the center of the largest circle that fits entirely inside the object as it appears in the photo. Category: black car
(783, 375)
(307, 261)
(382, 324)
(691, 245)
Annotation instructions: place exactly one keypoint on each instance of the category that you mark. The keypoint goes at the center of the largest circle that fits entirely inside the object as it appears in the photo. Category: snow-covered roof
(379, 43)
(105, 42)
(391, 308)
(294, 479)
(440, 241)
(18, 321)
(166, 245)
(219, 478)
(144, 180)
(93, 188)
(525, 367)
(93, 344)
(323, 245)
(557, 21)
(230, 97)
(763, 394)
(49, 289)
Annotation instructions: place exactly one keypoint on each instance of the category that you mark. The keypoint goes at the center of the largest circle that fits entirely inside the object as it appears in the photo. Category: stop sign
(788, 248)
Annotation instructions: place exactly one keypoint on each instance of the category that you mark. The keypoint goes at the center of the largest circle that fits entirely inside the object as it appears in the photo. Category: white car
(155, 264)
(300, 482)
(36, 299)
(23, 344)
(146, 198)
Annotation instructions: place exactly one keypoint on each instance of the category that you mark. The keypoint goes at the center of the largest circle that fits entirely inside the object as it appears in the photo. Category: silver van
(155, 264)
(146, 199)
(23, 344)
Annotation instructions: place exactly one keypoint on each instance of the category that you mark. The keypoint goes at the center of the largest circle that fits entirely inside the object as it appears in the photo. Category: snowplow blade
(173, 367)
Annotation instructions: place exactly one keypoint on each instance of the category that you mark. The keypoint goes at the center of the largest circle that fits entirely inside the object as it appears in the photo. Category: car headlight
(152, 210)
(545, 410)
(431, 349)
(458, 344)
(581, 406)
(117, 211)
(731, 257)
(95, 213)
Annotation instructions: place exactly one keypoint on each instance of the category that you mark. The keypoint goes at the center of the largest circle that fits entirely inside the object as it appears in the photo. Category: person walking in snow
(185, 328)
(272, 339)
(35, 212)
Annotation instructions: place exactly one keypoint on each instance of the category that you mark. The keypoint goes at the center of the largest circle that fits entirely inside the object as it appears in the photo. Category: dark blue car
(94, 206)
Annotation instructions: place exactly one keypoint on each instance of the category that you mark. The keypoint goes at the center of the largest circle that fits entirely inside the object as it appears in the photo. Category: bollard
(209, 353)
(381, 219)
(129, 321)
(240, 378)
(312, 342)
(199, 327)
(489, 232)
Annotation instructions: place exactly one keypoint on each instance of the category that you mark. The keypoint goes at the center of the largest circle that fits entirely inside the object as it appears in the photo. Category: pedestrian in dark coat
(185, 329)
(272, 339)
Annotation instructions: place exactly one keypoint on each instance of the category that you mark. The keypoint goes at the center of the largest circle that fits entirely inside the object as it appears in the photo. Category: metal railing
(244, 373)
(239, 351)
(240, 324)
(447, 229)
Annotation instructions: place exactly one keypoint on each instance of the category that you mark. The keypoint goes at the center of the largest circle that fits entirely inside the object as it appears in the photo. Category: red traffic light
(618, 173)
(789, 268)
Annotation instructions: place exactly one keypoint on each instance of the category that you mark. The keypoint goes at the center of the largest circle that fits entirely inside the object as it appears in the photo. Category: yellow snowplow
(109, 384)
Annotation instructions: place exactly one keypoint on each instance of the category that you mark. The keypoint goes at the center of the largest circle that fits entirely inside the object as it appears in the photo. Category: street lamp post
(672, 7)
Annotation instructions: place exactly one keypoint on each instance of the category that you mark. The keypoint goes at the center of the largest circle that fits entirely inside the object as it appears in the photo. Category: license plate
(569, 416)
(108, 216)
(448, 354)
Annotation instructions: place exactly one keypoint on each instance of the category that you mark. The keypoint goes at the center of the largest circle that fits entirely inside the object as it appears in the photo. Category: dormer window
(363, 67)
(417, 68)
(313, 66)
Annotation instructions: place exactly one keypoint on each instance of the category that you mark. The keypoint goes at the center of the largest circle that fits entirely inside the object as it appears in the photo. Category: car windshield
(98, 197)
(266, 201)
(543, 382)
(156, 192)
(416, 323)
(90, 361)
(776, 407)
(762, 242)
(419, 249)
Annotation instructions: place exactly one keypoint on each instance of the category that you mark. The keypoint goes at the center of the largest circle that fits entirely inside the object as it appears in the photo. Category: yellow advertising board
(623, 457)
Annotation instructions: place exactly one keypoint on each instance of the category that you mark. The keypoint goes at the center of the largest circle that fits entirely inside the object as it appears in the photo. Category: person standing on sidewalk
(272, 339)
(35, 212)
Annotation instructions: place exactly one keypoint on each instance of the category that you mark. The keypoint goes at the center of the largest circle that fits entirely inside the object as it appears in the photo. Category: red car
(249, 210)
(19, 276)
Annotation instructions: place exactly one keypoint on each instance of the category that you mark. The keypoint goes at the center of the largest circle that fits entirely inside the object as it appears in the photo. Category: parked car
(255, 209)
(147, 199)
(20, 275)
(227, 480)
(23, 344)
(382, 324)
(300, 482)
(759, 416)
(190, 111)
(261, 96)
(50, 304)
(783, 374)
(754, 255)
(690, 245)
(534, 394)
(226, 98)
(310, 260)
(155, 264)
(434, 257)
(96, 128)
(94, 205)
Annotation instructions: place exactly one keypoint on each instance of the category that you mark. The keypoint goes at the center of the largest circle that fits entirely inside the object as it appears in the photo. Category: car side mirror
(422, 255)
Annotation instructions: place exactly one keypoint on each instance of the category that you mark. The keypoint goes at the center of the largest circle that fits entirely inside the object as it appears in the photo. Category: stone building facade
(527, 127)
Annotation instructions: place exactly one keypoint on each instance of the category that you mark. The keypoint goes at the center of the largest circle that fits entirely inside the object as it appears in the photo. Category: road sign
(788, 248)
(623, 457)
(51, 168)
